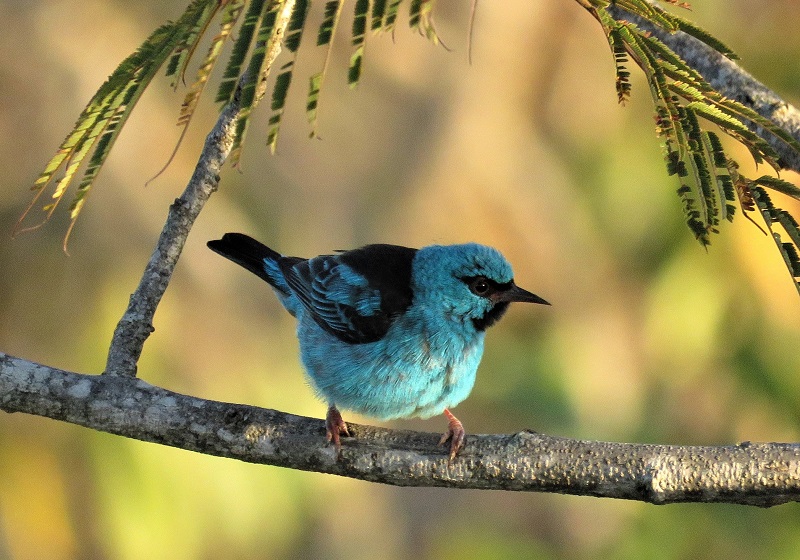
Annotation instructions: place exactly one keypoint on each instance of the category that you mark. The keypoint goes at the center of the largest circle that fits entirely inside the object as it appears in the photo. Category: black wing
(355, 295)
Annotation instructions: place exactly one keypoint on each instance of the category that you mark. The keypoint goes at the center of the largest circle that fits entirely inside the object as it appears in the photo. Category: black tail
(246, 252)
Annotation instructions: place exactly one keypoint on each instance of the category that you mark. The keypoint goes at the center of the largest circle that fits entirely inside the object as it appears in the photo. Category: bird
(388, 331)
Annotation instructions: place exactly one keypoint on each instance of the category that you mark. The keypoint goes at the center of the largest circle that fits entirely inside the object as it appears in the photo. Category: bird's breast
(412, 371)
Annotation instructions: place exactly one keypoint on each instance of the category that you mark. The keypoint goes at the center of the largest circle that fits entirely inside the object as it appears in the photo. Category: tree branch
(136, 323)
(754, 474)
(731, 81)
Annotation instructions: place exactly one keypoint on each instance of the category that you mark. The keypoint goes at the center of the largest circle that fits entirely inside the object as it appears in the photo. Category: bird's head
(468, 281)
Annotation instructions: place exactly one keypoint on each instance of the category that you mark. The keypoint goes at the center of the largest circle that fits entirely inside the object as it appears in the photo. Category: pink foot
(455, 433)
(334, 427)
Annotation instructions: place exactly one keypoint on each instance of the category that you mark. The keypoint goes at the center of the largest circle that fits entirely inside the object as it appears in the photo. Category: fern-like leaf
(390, 16)
(254, 50)
(195, 21)
(279, 92)
(773, 215)
(241, 48)
(294, 32)
(671, 22)
(421, 19)
(330, 22)
(232, 11)
(361, 10)
(251, 90)
(725, 190)
(620, 60)
(649, 12)
(702, 165)
(710, 180)
(743, 112)
(231, 15)
(98, 125)
(760, 150)
(379, 9)
(779, 185)
(691, 29)
(693, 217)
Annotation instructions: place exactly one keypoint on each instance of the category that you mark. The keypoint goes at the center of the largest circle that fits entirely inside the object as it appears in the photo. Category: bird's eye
(480, 286)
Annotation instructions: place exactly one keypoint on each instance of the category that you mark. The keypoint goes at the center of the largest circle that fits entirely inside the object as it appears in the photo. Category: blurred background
(650, 337)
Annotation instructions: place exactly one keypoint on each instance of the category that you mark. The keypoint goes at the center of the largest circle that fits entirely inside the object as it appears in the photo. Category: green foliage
(620, 60)
(390, 16)
(359, 41)
(240, 49)
(774, 217)
(333, 11)
(257, 70)
(684, 102)
(421, 19)
(709, 179)
(266, 25)
(103, 118)
(379, 8)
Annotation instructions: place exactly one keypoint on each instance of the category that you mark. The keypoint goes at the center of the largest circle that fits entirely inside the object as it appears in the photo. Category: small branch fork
(136, 324)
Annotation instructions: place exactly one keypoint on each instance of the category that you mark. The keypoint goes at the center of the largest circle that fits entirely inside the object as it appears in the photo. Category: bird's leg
(455, 433)
(334, 427)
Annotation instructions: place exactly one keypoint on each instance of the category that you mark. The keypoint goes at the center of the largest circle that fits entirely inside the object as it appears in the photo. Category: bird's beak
(515, 293)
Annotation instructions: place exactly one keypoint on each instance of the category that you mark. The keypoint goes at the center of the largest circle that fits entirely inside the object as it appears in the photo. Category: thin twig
(136, 324)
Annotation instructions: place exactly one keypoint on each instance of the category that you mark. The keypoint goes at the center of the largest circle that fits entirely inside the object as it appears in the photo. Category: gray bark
(136, 323)
(762, 474)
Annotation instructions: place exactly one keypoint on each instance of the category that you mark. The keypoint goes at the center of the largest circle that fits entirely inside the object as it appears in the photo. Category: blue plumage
(388, 331)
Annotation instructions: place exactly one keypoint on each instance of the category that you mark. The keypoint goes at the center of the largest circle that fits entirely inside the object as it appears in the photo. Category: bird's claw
(335, 427)
(455, 433)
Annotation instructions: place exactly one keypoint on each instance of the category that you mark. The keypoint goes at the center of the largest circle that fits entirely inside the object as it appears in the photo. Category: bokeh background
(650, 337)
